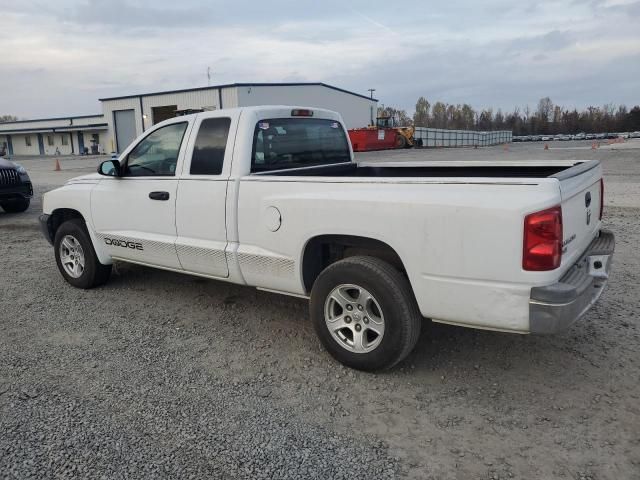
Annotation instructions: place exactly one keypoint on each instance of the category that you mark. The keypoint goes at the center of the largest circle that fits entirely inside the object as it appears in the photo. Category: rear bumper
(554, 308)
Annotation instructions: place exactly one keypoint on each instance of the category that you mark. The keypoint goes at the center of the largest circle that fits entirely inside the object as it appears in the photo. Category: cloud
(127, 16)
(59, 58)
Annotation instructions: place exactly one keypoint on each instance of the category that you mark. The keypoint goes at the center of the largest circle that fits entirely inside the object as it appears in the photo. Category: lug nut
(347, 319)
(349, 307)
(365, 319)
(360, 307)
(358, 327)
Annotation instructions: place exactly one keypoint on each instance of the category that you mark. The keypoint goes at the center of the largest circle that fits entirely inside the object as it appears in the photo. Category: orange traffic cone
(594, 146)
(505, 147)
(57, 169)
(546, 146)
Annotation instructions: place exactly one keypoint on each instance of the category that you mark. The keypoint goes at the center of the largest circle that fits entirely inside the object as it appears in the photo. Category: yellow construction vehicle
(404, 135)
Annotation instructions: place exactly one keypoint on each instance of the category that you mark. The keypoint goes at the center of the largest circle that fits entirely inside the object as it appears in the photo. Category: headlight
(20, 169)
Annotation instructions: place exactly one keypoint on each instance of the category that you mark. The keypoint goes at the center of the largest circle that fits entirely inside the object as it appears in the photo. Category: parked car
(590, 136)
(15, 187)
(557, 138)
(579, 136)
(634, 135)
(611, 136)
(272, 197)
(600, 136)
(547, 138)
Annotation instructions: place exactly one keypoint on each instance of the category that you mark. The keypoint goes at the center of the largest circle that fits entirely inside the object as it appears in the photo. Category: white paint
(459, 238)
(272, 219)
(355, 110)
(56, 128)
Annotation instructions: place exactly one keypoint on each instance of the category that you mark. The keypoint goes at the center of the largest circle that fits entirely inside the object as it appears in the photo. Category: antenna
(371, 90)
(208, 76)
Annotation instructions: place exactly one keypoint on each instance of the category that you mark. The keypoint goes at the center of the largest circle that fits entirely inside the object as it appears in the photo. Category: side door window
(202, 195)
(211, 143)
(157, 154)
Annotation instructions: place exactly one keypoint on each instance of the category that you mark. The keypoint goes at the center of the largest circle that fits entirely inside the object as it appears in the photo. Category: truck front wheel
(76, 257)
(365, 313)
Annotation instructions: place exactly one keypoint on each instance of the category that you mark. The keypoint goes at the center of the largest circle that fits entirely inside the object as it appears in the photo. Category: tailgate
(580, 192)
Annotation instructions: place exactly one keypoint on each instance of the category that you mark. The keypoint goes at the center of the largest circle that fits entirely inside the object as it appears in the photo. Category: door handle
(159, 195)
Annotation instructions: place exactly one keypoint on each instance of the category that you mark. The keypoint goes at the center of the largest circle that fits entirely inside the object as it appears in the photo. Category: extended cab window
(157, 154)
(282, 143)
(208, 151)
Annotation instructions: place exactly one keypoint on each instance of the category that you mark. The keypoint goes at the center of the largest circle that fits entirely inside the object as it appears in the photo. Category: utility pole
(208, 76)
(371, 90)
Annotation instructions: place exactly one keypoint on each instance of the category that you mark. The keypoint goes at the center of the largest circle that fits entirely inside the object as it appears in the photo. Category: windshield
(282, 143)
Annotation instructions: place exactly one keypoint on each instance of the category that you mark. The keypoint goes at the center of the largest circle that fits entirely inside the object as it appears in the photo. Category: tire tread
(99, 273)
(400, 289)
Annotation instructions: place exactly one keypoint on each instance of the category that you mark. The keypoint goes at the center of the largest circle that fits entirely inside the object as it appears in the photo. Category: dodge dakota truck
(272, 197)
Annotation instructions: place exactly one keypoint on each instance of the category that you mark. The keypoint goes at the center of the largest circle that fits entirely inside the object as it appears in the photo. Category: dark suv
(15, 187)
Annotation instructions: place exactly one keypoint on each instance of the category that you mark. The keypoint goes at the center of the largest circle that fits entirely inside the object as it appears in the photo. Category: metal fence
(438, 137)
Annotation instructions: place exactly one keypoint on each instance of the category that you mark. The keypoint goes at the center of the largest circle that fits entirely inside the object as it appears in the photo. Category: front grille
(8, 177)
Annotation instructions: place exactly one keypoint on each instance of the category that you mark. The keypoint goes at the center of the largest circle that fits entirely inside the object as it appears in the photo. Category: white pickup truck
(272, 197)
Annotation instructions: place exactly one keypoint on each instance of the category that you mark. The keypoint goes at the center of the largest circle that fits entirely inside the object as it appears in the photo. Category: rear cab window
(285, 143)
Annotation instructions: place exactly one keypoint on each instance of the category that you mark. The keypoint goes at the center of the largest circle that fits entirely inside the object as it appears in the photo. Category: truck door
(202, 192)
(135, 214)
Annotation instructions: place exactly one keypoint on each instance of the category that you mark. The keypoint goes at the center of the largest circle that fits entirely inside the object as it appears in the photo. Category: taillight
(543, 240)
(601, 197)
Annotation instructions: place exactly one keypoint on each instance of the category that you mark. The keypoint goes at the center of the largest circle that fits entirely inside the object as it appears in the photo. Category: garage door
(125, 121)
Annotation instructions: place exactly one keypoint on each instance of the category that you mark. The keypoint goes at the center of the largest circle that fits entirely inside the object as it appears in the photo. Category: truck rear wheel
(76, 257)
(364, 313)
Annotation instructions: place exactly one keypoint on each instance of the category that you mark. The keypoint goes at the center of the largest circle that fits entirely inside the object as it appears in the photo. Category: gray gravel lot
(160, 375)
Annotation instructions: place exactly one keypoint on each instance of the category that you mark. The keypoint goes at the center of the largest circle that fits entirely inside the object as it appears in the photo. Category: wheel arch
(60, 215)
(321, 251)
(57, 217)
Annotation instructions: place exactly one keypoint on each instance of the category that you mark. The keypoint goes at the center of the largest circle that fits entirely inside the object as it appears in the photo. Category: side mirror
(110, 168)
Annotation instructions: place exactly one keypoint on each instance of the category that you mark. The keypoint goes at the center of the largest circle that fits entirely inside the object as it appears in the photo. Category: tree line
(547, 118)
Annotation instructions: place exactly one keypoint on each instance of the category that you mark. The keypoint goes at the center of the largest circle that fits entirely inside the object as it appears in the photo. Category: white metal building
(124, 118)
(48, 136)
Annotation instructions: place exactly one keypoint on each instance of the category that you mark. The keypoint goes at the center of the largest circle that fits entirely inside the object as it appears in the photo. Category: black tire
(401, 141)
(94, 273)
(16, 206)
(393, 293)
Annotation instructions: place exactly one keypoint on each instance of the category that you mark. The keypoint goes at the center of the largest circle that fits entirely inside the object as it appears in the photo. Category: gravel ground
(167, 376)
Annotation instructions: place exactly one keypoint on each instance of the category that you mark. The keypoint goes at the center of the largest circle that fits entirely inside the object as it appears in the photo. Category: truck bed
(445, 169)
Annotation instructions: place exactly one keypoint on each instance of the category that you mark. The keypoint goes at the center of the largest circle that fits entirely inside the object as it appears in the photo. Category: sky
(57, 58)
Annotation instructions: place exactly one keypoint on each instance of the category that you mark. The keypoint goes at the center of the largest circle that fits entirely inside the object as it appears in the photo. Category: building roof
(50, 129)
(52, 119)
(231, 85)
